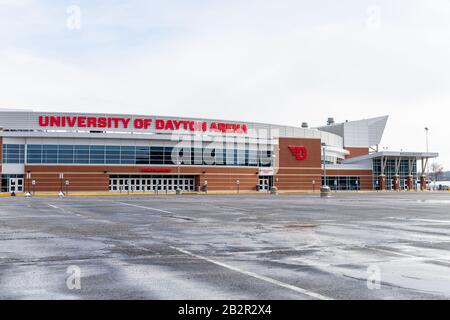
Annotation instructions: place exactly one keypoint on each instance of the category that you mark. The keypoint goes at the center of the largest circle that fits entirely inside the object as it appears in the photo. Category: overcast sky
(275, 61)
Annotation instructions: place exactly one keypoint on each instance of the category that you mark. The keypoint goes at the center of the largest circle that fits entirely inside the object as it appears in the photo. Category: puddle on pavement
(434, 201)
(299, 226)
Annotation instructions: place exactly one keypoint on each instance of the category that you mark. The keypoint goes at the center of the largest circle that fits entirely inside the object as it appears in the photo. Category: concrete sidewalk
(223, 192)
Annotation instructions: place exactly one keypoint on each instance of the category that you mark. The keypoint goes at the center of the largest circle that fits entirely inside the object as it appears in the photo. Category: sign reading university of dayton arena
(137, 123)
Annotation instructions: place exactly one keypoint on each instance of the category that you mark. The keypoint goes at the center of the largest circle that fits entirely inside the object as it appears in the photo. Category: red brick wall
(292, 174)
(96, 178)
(356, 152)
(299, 175)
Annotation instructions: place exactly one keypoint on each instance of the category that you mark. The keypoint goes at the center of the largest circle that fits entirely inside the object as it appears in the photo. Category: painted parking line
(64, 210)
(144, 207)
(257, 276)
(169, 214)
(431, 220)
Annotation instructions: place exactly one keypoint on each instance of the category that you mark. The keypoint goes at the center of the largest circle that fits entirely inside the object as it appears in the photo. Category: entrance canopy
(394, 154)
(397, 156)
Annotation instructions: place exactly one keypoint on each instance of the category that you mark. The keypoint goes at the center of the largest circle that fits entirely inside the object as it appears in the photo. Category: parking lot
(351, 246)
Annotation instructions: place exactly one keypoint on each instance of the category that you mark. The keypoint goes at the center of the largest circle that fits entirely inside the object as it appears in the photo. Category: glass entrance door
(151, 183)
(15, 184)
(264, 184)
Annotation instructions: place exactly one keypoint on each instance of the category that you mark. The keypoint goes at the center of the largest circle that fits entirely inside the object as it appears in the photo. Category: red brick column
(410, 183)
(423, 182)
(396, 180)
(382, 182)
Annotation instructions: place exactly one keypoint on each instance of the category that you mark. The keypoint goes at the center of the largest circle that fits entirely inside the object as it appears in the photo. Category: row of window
(342, 182)
(101, 154)
(390, 172)
(390, 167)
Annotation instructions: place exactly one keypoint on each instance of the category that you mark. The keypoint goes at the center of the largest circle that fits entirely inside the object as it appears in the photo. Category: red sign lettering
(140, 123)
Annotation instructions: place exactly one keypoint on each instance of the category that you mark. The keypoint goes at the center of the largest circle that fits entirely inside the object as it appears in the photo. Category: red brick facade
(356, 152)
(96, 178)
(290, 172)
(296, 174)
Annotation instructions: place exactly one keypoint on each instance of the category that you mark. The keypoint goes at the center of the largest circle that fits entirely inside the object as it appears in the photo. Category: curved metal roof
(359, 133)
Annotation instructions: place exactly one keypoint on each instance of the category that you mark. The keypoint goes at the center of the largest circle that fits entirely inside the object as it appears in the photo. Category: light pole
(28, 180)
(324, 165)
(178, 191)
(61, 177)
(274, 188)
(274, 156)
(324, 189)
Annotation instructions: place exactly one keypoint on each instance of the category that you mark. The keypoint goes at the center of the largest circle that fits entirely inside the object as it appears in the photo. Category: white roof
(25, 123)
(416, 155)
(360, 133)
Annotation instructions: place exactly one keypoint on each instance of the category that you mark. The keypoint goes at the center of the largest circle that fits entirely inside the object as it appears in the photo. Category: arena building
(71, 152)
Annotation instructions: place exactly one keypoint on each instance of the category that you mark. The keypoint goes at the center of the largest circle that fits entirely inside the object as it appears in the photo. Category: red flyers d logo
(299, 152)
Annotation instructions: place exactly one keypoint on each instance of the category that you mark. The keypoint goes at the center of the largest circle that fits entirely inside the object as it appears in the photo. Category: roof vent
(330, 121)
(305, 125)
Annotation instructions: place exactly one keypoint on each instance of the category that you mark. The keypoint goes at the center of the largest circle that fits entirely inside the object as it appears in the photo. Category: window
(141, 155)
(343, 182)
(49, 153)
(127, 155)
(97, 154)
(241, 157)
(66, 154)
(13, 153)
(81, 154)
(157, 155)
(112, 154)
(168, 156)
(34, 154)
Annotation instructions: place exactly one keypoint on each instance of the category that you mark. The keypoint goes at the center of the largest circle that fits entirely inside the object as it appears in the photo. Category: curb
(231, 193)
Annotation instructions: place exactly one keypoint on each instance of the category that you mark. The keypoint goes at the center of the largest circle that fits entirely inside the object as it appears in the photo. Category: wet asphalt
(351, 246)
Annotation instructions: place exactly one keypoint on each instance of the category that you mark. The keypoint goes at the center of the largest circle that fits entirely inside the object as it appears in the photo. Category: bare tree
(437, 169)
